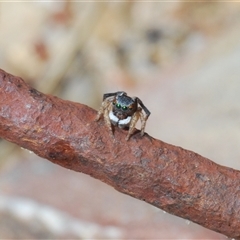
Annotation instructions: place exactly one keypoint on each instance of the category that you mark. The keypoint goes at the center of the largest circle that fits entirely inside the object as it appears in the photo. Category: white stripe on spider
(122, 123)
(113, 118)
(125, 121)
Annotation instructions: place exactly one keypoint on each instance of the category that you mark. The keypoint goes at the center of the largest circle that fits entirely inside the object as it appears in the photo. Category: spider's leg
(132, 125)
(99, 114)
(101, 110)
(107, 119)
(112, 95)
(143, 107)
(143, 122)
(105, 105)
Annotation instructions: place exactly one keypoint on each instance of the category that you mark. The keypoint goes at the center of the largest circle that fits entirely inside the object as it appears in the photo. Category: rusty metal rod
(176, 180)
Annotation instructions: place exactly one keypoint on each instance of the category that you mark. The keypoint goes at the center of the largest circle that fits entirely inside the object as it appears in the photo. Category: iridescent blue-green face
(124, 106)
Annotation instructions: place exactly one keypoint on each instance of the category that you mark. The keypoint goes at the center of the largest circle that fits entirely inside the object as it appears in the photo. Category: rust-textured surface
(176, 180)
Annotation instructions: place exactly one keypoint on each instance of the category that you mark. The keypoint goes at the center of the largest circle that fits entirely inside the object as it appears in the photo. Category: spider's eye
(114, 103)
(118, 105)
(124, 107)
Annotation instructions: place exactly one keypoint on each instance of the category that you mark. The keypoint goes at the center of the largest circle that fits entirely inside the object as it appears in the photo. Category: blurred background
(182, 59)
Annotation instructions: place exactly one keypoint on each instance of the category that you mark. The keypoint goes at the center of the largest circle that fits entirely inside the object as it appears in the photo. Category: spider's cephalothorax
(120, 110)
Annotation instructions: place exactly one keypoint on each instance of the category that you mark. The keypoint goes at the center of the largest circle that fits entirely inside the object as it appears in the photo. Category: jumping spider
(118, 109)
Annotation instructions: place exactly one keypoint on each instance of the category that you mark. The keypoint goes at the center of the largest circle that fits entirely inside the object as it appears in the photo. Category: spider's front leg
(143, 122)
(104, 107)
(133, 122)
(143, 117)
(104, 112)
(99, 114)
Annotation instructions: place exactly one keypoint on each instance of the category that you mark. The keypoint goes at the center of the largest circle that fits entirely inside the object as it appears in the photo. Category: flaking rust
(171, 178)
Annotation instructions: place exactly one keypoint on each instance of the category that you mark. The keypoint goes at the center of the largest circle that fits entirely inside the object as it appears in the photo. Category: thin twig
(178, 181)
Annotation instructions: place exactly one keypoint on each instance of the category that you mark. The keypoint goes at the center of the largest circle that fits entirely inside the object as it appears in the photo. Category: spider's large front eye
(118, 105)
(124, 108)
